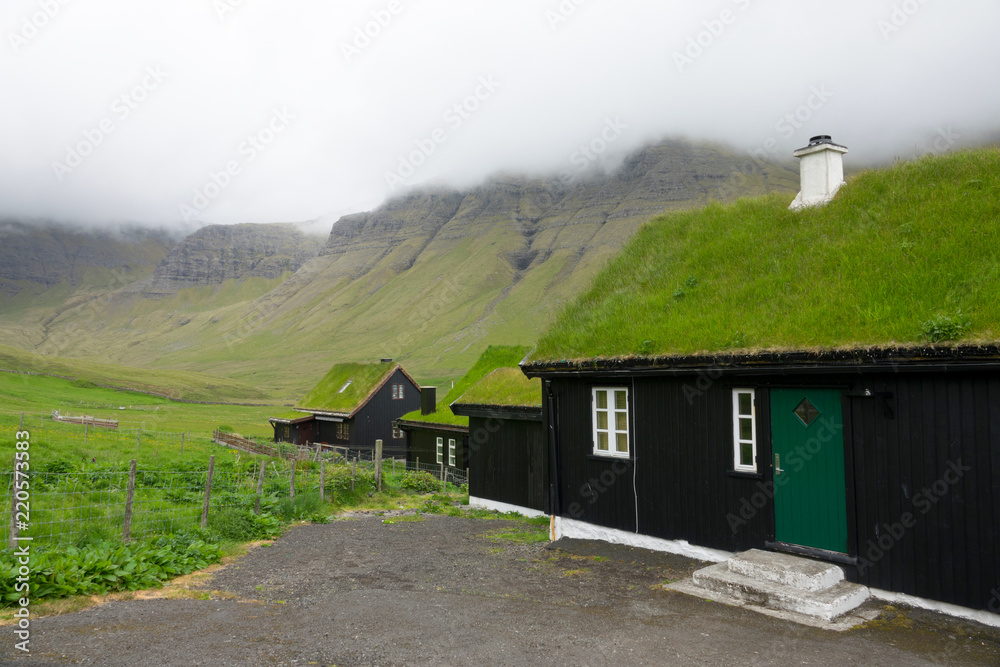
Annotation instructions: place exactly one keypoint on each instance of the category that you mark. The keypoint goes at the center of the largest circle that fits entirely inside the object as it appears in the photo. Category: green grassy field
(905, 255)
(38, 396)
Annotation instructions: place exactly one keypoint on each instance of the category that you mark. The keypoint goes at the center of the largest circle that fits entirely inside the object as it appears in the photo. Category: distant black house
(352, 407)
(508, 451)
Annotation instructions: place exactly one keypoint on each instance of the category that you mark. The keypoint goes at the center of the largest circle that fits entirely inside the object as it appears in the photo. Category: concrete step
(801, 573)
(826, 604)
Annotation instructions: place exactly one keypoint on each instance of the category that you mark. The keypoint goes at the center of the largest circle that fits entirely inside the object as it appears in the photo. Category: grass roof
(334, 394)
(902, 256)
(507, 387)
(495, 356)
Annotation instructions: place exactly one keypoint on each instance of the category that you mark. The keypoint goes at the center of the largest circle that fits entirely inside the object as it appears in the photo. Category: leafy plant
(946, 327)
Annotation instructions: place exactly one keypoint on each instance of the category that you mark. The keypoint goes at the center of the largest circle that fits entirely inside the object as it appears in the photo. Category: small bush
(946, 327)
(242, 525)
(304, 506)
(418, 482)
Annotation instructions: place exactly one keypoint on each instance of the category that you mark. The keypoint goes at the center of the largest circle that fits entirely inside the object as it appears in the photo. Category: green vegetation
(345, 386)
(495, 356)
(505, 386)
(39, 395)
(904, 255)
(104, 566)
(183, 385)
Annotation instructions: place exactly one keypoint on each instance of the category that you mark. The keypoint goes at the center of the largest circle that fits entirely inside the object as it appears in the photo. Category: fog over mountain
(226, 111)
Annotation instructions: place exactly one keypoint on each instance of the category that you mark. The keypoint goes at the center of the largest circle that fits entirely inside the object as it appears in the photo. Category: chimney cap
(386, 361)
(820, 142)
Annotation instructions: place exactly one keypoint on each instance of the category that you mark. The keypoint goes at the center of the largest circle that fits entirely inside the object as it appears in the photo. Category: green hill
(902, 256)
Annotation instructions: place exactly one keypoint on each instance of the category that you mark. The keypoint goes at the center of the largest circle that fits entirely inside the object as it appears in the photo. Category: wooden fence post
(13, 534)
(291, 493)
(322, 481)
(378, 465)
(137, 439)
(208, 491)
(354, 471)
(418, 464)
(444, 484)
(260, 487)
(86, 427)
(129, 496)
(182, 443)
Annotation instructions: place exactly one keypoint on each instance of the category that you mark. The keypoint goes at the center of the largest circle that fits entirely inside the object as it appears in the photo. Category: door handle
(777, 464)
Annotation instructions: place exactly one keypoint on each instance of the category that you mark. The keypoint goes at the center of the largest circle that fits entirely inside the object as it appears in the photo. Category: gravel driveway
(442, 591)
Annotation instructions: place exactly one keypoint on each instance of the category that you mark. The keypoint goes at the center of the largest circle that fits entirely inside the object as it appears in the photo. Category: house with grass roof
(434, 434)
(508, 455)
(353, 406)
(821, 381)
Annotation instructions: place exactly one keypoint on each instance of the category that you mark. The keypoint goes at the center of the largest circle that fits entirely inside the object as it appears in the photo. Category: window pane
(746, 429)
(602, 400)
(746, 454)
(746, 404)
(623, 443)
(621, 421)
(621, 402)
(602, 420)
(602, 442)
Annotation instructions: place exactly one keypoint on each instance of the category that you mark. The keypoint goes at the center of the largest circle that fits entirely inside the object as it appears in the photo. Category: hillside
(902, 256)
(429, 278)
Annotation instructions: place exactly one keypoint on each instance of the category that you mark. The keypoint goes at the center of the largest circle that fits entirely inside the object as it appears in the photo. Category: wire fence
(66, 507)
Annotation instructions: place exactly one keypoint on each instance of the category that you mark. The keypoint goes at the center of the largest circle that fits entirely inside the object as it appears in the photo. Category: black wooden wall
(904, 432)
(421, 443)
(374, 421)
(508, 461)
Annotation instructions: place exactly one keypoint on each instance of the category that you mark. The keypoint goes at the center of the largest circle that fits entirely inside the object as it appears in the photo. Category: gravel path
(441, 591)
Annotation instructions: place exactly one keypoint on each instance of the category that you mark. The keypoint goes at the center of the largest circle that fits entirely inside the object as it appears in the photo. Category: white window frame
(451, 452)
(612, 431)
(397, 433)
(738, 441)
(398, 392)
(342, 431)
(440, 450)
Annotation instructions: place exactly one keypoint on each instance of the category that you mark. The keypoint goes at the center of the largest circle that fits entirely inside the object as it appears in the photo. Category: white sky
(895, 79)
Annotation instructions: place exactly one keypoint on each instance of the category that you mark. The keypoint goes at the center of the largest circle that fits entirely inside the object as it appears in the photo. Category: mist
(224, 111)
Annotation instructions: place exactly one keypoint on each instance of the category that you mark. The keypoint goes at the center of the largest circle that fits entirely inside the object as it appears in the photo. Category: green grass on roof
(290, 415)
(495, 356)
(326, 396)
(895, 251)
(505, 387)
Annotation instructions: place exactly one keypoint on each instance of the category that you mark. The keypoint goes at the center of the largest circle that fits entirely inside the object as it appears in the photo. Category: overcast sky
(224, 111)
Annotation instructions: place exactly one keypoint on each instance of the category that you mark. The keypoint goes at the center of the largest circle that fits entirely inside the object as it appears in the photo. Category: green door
(810, 495)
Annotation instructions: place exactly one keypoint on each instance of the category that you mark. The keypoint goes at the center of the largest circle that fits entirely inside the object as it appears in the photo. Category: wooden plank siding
(508, 461)
(421, 444)
(920, 447)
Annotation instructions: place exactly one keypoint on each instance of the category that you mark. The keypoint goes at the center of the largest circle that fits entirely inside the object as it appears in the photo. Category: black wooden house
(876, 451)
(432, 439)
(353, 406)
(508, 452)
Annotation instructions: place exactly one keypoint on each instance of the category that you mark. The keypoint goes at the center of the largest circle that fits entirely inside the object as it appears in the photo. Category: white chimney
(821, 171)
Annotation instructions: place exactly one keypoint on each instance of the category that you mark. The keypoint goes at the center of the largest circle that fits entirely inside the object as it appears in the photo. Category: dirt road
(443, 591)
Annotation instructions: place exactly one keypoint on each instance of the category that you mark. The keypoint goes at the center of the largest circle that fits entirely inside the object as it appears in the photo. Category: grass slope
(505, 387)
(495, 356)
(897, 250)
(334, 394)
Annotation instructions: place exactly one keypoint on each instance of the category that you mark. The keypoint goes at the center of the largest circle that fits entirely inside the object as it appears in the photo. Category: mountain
(429, 278)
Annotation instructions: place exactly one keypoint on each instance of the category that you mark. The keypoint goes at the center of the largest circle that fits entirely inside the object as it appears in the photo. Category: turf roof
(504, 387)
(495, 356)
(334, 394)
(904, 256)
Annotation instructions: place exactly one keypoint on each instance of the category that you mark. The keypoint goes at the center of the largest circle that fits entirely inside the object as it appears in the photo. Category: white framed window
(744, 431)
(610, 408)
(440, 450)
(451, 452)
(397, 433)
(343, 431)
(397, 392)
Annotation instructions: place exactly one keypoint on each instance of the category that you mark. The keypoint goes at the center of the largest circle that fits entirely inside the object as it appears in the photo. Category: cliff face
(42, 254)
(217, 253)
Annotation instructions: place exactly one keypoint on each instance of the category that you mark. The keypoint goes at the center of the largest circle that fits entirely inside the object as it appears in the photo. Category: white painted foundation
(497, 506)
(578, 530)
(984, 617)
